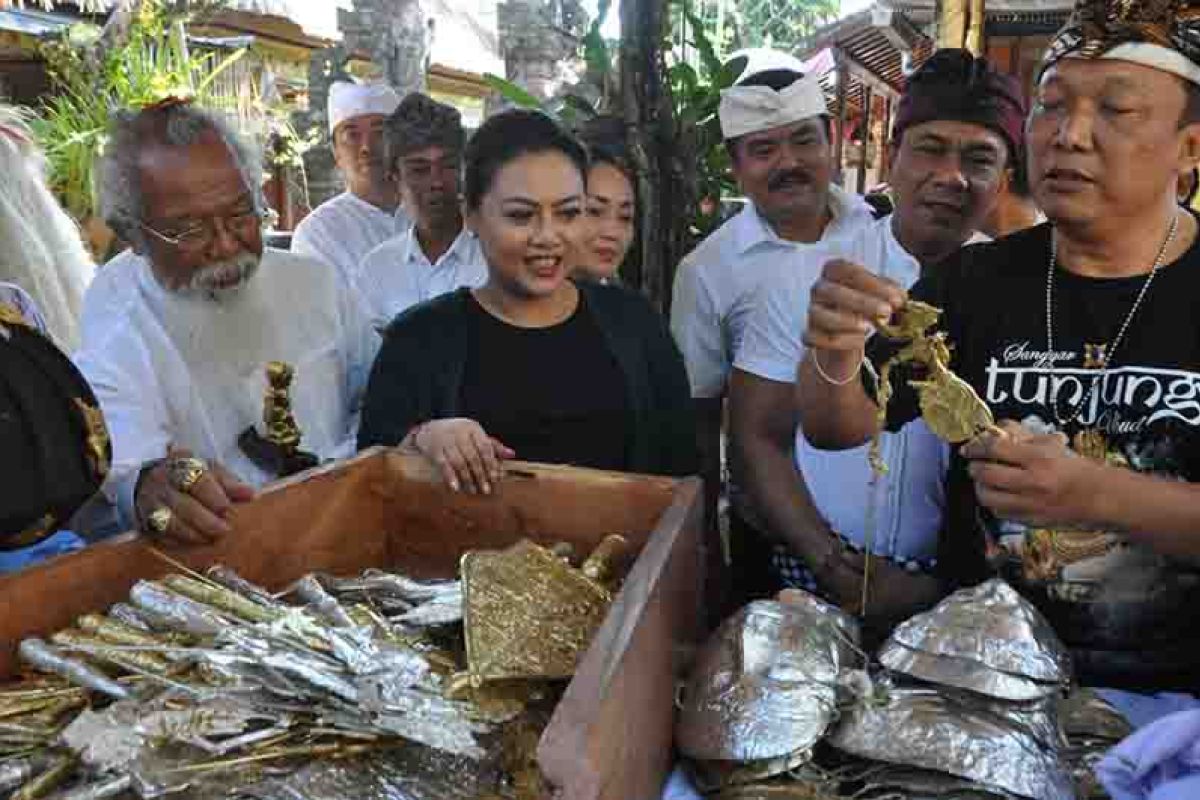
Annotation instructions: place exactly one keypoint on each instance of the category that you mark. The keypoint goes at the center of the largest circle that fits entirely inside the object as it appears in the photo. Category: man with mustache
(343, 229)
(958, 129)
(181, 374)
(777, 132)
(424, 144)
(1080, 335)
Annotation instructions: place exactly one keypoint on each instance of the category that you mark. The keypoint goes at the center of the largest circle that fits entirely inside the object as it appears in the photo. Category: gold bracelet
(825, 376)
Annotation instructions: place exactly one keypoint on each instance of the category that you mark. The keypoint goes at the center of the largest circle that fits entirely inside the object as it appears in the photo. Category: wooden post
(868, 101)
(885, 141)
(843, 78)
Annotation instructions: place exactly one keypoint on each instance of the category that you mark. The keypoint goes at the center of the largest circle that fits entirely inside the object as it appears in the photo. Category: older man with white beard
(181, 375)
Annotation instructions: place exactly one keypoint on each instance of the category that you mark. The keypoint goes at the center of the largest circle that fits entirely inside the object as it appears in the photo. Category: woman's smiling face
(530, 222)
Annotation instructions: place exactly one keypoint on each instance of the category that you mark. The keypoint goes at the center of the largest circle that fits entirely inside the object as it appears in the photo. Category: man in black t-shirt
(1081, 335)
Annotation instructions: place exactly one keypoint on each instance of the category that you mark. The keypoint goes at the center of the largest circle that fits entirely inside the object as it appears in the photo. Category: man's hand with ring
(183, 499)
(185, 472)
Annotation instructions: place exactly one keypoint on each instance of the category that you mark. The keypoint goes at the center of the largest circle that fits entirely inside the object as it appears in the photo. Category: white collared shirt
(191, 372)
(715, 286)
(343, 229)
(909, 501)
(106, 297)
(397, 274)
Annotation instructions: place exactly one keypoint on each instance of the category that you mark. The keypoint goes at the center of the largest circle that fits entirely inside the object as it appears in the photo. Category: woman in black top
(531, 364)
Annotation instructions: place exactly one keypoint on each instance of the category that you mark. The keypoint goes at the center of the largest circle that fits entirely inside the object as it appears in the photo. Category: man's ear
(1189, 151)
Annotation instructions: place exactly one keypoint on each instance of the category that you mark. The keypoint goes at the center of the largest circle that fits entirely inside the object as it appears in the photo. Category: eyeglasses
(199, 234)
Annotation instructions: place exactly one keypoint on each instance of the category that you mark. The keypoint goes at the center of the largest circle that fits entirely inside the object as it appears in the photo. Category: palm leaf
(512, 92)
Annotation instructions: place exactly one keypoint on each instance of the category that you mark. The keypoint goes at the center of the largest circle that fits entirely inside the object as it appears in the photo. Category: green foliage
(512, 92)
(90, 81)
(780, 23)
(696, 96)
(570, 109)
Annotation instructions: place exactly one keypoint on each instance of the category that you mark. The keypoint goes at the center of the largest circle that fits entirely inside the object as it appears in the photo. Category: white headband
(1155, 55)
(749, 109)
(348, 100)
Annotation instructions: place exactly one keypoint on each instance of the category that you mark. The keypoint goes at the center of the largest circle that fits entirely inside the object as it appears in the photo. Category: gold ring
(184, 473)
(159, 520)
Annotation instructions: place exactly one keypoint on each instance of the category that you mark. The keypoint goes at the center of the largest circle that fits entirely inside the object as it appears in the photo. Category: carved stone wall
(324, 68)
(539, 39)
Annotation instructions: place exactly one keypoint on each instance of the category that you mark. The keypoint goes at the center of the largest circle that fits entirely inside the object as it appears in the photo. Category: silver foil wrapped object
(408, 773)
(921, 728)
(105, 740)
(100, 790)
(891, 782)
(963, 674)
(764, 685)
(169, 611)
(1038, 718)
(444, 609)
(310, 590)
(123, 612)
(15, 772)
(231, 580)
(41, 656)
(992, 625)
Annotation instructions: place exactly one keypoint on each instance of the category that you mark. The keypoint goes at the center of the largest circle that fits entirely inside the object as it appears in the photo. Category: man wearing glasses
(181, 374)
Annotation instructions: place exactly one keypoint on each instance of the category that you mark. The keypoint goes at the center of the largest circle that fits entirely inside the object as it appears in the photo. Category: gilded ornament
(11, 315)
(527, 614)
(950, 406)
(97, 445)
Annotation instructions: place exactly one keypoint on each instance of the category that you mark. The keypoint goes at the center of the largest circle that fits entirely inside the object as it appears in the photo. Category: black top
(1125, 612)
(420, 371)
(552, 394)
(54, 445)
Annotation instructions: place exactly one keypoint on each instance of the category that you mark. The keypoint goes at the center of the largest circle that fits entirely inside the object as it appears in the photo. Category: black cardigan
(419, 372)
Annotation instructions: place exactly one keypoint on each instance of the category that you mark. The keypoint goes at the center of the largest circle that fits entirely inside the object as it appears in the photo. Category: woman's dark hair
(508, 136)
(604, 138)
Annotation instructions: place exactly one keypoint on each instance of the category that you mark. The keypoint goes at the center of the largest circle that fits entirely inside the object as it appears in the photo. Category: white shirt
(191, 372)
(715, 286)
(397, 274)
(908, 502)
(113, 286)
(343, 229)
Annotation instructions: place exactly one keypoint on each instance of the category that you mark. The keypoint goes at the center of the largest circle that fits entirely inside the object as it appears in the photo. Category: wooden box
(611, 734)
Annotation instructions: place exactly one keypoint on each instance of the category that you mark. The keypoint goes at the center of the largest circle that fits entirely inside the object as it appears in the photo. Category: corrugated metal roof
(34, 23)
(872, 47)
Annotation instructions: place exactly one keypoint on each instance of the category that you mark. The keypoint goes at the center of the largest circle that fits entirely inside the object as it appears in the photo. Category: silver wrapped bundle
(963, 674)
(310, 590)
(167, 610)
(231, 580)
(764, 686)
(444, 609)
(409, 773)
(41, 656)
(988, 625)
(891, 783)
(15, 772)
(100, 790)
(921, 728)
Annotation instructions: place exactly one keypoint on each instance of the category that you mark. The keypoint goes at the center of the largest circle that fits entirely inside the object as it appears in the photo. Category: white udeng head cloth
(348, 100)
(1155, 55)
(749, 109)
